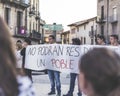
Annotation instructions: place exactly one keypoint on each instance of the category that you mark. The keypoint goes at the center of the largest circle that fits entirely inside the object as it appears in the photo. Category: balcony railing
(24, 3)
(35, 34)
(20, 31)
(101, 20)
(113, 19)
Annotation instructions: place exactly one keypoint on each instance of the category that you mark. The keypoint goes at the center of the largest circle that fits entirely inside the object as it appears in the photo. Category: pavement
(42, 85)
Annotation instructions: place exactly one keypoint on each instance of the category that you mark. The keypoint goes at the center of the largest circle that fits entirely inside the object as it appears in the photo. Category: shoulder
(23, 51)
(25, 86)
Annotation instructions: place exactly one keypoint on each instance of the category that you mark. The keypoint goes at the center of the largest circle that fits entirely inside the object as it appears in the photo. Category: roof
(82, 22)
(66, 32)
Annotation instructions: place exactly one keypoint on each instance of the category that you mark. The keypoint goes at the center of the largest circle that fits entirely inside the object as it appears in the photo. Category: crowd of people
(113, 40)
(99, 69)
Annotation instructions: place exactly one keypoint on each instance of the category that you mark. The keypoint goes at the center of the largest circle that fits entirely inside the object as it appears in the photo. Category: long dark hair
(8, 73)
(101, 67)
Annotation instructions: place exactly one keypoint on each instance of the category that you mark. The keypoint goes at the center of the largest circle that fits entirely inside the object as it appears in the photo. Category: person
(28, 72)
(73, 76)
(101, 40)
(114, 40)
(18, 56)
(54, 76)
(12, 83)
(18, 42)
(100, 73)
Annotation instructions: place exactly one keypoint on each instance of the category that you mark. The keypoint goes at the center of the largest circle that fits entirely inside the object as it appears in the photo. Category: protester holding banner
(101, 40)
(54, 76)
(114, 40)
(28, 72)
(12, 83)
(73, 76)
(100, 73)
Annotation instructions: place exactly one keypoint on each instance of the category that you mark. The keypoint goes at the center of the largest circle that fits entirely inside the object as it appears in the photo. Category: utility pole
(54, 30)
(107, 19)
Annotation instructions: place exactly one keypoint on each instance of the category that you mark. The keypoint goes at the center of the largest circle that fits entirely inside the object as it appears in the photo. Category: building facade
(12, 11)
(23, 18)
(65, 37)
(85, 30)
(108, 17)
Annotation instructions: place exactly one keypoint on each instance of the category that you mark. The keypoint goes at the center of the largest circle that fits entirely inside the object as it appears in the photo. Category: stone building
(23, 18)
(85, 30)
(12, 11)
(108, 17)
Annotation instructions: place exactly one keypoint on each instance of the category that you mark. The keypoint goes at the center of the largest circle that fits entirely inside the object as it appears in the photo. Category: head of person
(100, 40)
(100, 73)
(19, 41)
(51, 39)
(27, 41)
(8, 73)
(113, 39)
(76, 41)
(18, 46)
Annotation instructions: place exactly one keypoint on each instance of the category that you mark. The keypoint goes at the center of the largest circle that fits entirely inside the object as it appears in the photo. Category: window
(77, 29)
(84, 27)
(114, 28)
(81, 40)
(73, 31)
(102, 12)
(7, 15)
(84, 40)
(33, 26)
(19, 20)
(30, 26)
(102, 29)
(92, 32)
(115, 13)
(36, 26)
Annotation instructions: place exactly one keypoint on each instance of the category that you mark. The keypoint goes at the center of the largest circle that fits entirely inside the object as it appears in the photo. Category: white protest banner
(63, 58)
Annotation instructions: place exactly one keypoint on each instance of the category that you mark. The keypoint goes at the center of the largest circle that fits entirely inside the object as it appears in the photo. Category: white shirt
(25, 86)
(19, 59)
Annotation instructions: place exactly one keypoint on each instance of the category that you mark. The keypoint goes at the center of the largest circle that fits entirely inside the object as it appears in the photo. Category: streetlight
(54, 30)
(107, 19)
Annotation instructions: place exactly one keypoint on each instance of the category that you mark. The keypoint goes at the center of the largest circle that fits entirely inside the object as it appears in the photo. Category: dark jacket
(23, 54)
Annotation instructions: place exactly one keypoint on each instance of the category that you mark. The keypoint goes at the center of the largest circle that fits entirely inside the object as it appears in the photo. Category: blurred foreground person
(100, 73)
(12, 83)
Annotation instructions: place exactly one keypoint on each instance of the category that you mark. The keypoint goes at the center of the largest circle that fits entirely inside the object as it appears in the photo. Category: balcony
(100, 20)
(35, 35)
(113, 19)
(20, 32)
(20, 3)
(23, 3)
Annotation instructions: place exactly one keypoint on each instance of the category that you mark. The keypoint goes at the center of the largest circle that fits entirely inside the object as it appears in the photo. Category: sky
(66, 12)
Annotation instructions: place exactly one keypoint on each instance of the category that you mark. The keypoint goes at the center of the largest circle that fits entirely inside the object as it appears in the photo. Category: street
(42, 85)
